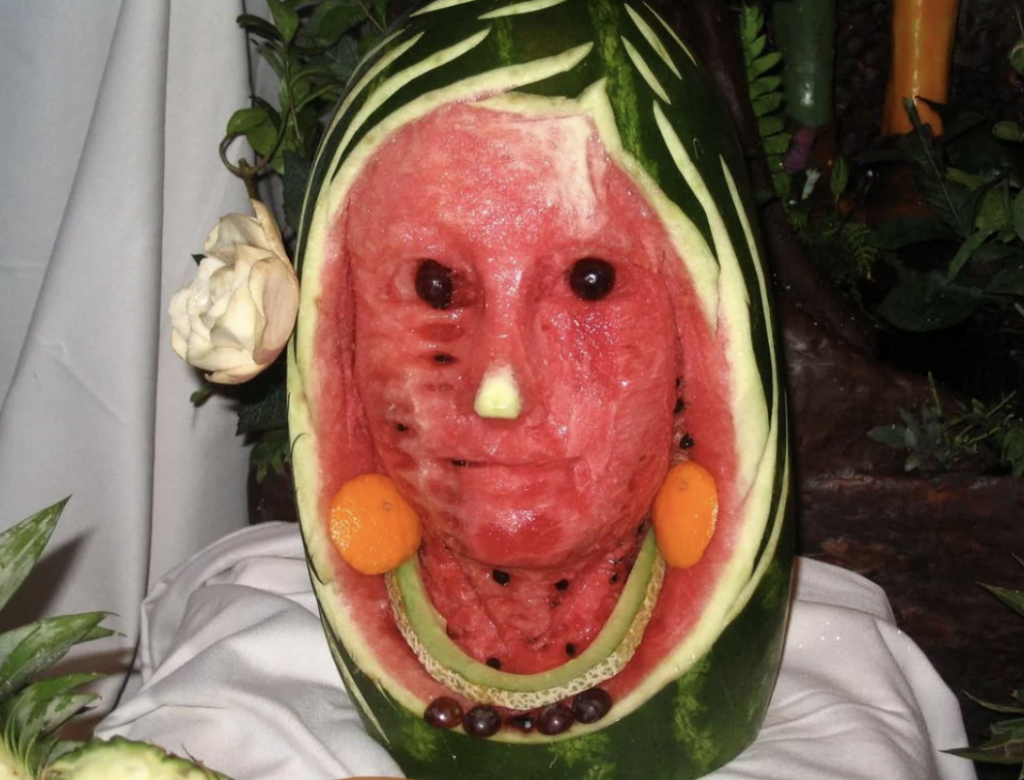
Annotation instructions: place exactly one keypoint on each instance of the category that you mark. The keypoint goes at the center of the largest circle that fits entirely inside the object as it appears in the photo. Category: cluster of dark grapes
(483, 720)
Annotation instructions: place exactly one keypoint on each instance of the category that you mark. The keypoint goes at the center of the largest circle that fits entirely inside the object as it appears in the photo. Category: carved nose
(498, 395)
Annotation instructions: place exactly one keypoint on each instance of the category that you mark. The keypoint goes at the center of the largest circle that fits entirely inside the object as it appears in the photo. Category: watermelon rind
(605, 657)
(620, 65)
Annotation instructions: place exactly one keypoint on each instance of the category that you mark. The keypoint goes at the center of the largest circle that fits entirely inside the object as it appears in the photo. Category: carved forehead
(494, 174)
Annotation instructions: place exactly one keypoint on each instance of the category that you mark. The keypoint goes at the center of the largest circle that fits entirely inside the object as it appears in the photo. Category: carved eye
(435, 284)
(591, 278)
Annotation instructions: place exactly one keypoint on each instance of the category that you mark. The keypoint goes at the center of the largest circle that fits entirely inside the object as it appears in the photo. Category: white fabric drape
(110, 117)
(233, 655)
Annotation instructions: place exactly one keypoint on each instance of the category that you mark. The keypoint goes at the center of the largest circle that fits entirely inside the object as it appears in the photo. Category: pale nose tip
(498, 395)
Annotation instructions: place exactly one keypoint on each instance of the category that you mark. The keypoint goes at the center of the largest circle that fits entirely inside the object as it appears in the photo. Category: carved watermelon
(530, 288)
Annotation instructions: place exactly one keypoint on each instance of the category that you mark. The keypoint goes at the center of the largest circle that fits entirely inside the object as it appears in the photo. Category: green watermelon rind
(691, 186)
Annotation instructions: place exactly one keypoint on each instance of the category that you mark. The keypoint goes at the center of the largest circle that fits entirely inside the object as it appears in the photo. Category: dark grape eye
(591, 278)
(435, 284)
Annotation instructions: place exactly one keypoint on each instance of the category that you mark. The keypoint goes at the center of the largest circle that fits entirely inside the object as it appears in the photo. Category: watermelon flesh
(530, 524)
(552, 499)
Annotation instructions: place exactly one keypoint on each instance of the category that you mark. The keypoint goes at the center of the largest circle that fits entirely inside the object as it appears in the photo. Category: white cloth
(237, 673)
(111, 112)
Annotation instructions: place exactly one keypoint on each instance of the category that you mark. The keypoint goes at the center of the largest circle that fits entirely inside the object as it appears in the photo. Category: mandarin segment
(372, 527)
(685, 512)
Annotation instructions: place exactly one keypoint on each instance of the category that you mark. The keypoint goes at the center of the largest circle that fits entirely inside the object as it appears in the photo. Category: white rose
(235, 317)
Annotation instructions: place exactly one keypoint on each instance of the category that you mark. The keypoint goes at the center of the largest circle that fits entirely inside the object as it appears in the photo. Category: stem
(370, 16)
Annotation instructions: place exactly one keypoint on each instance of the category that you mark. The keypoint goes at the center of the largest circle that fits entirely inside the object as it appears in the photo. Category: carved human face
(515, 348)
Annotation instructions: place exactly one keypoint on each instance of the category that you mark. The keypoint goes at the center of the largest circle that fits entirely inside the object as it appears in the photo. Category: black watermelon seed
(614, 578)
(591, 705)
(459, 463)
(562, 584)
(554, 719)
(686, 441)
(401, 427)
(503, 578)
(521, 722)
(482, 721)
(444, 358)
(570, 650)
(443, 713)
(494, 663)
(680, 405)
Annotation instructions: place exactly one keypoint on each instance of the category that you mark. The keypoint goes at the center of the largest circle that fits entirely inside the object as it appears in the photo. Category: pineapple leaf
(1014, 599)
(1006, 745)
(1006, 708)
(39, 645)
(22, 544)
(43, 707)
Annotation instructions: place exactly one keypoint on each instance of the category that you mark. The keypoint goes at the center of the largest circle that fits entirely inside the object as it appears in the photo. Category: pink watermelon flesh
(530, 525)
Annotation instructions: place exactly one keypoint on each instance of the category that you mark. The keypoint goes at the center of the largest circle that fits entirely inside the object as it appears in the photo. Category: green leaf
(1018, 214)
(285, 19)
(271, 452)
(765, 85)
(331, 20)
(840, 177)
(1009, 281)
(890, 435)
(258, 26)
(773, 124)
(926, 302)
(22, 544)
(905, 231)
(266, 408)
(776, 144)
(767, 104)
(43, 643)
(1014, 599)
(1008, 131)
(762, 65)
(41, 708)
(246, 119)
(1009, 709)
(964, 253)
(296, 174)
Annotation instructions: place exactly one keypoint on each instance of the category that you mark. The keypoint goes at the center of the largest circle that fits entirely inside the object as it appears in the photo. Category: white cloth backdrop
(110, 117)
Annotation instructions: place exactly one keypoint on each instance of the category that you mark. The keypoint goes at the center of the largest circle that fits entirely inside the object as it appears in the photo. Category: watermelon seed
(680, 405)
(401, 427)
(686, 441)
(554, 719)
(444, 358)
(482, 721)
(591, 705)
(570, 650)
(459, 463)
(444, 712)
(614, 578)
(494, 663)
(562, 584)
(679, 382)
(503, 578)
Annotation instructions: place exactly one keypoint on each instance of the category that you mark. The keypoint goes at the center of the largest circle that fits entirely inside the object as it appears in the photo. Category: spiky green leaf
(33, 717)
(22, 544)
(41, 644)
(1014, 599)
